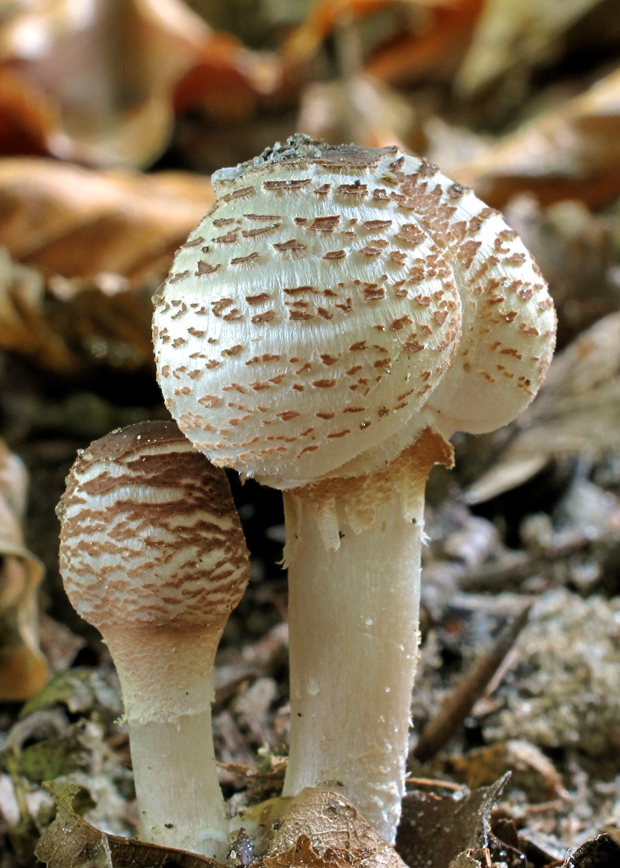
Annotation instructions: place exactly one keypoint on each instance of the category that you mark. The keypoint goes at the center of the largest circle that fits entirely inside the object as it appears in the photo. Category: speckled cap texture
(334, 303)
(153, 555)
(149, 532)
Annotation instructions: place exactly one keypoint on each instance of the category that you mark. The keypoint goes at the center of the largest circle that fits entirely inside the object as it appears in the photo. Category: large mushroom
(153, 555)
(338, 314)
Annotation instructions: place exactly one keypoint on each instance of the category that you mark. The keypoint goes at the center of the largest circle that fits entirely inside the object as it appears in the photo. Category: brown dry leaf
(430, 36)
(472, 859)
(323, 17)
(531, 771)
(301, 853)
(512, 33)
(600, 852)
(431, 51)
(572, 152)
(319, 822)
(27, 119)
(577, 411)
(73, 327)
(435, 829)
(94, 246)
(71, 841)
(76, 222)
(23, 670)
(96, 82)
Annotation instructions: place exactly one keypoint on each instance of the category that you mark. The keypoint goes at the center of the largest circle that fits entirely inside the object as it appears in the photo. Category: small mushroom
(338, 314)
(153, 555)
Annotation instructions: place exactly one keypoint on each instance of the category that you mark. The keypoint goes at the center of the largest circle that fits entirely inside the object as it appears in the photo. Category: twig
(460, 702)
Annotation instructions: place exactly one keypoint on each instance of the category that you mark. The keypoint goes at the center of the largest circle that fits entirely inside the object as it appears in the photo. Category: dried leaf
(569, 152)
(105, 241)
(323, 17)
(71, 842)
(317, 824)
(514, 33)
(433, 50)
(100, 86)
(472, 859)
(66, 220)
(73, 327)
(600, 852)
(23, 670)
(531, 771)
(577, 410)
(301, 853)
(436, 829)
(429, 41)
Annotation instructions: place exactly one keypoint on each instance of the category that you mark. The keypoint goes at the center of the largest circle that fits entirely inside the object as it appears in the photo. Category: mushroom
(153, 555)
(337, 315)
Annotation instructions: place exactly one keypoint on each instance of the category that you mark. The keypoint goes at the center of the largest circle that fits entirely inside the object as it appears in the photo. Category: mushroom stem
(353, 551)
(353, 621)
(175, 774)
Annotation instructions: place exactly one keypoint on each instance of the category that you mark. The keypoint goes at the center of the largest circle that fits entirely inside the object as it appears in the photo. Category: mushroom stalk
(178, 793)
(353, 617)
(353, 553)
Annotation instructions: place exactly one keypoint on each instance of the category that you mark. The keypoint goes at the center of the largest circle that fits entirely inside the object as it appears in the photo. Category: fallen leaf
(98, 82)
(599, 852)
(531, 771)
(429, 37)
(23, 669)
(433, 50)
(319, 821)
(63, 219)
(472, 859)
(324, 16)
(74, 327)
(71, 841)
(302, 853)
(569, 152)
(435, 829)
(512, 33)
(94, 246)
(82, 691)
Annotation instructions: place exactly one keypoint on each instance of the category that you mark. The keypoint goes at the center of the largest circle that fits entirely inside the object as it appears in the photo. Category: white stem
(166, 678)
(353, 621)
(179, 797)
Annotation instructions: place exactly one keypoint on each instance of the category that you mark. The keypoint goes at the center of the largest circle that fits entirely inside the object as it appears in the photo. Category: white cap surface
(336, 301)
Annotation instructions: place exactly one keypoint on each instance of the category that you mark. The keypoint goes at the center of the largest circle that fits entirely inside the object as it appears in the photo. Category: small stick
(460, 702)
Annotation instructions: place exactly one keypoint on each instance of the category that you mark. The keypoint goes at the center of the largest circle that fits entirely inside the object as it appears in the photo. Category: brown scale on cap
(151, 543)
(362, 242)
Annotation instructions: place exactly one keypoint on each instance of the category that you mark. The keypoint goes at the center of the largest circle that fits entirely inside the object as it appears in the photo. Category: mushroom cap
(335, 302)
(149, 533)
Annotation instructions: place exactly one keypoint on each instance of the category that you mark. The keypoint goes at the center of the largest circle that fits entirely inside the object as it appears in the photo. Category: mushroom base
(353, 619)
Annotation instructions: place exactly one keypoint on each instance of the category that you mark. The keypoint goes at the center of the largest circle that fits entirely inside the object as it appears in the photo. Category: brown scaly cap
(336, 302)
(149, 533)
